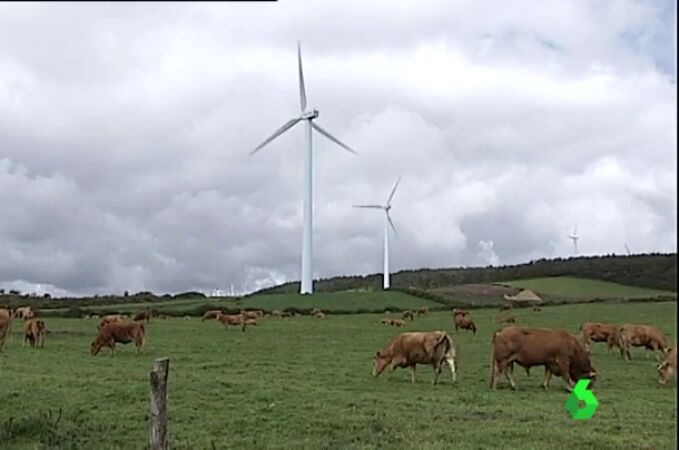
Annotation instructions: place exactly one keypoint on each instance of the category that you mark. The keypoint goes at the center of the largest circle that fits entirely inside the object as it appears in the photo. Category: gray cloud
(124, 133)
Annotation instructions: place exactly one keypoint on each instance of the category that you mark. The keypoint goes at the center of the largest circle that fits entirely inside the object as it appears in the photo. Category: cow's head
(95, 346)
(380, 362)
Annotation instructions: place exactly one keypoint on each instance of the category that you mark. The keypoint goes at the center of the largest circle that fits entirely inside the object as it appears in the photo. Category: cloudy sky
(125, 132)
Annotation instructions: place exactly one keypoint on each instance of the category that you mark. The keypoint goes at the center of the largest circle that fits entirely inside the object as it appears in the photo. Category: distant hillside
(653, 271)
(581, 288)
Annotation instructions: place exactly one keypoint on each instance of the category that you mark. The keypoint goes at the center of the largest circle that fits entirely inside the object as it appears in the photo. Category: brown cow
(423, 311)
(668, 368)
(410, 349)
(632, 335)
(459, 312)
(120, 331)
(386, 321)
(5, 325)
(398, 323)
(34, 332)
(600, 332)
(314, 311)
(319, 314)
(111, 318)
(408, 314)
(560, 352)
(231, 319)
(212, 314)
(248, 323)
(251, 314)
(465, 322)
(142, 316)
(23, 312)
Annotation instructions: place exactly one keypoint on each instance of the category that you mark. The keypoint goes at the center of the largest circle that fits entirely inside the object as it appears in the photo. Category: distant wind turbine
(574, 237)
(387, 223)
(628, 252)
(308, 116)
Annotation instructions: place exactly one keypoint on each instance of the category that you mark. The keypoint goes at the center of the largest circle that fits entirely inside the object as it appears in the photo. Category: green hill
(582, 288)
(653, 271)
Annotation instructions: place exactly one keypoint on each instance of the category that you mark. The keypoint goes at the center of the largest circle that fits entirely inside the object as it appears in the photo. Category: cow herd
(560, 352)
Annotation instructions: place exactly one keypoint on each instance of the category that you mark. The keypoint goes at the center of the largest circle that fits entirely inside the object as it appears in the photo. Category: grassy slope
(585, 288)
(305, 383)
(340, 301)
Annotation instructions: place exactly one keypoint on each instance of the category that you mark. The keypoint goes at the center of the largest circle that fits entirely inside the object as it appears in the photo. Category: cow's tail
(492, 357)
(449, 346)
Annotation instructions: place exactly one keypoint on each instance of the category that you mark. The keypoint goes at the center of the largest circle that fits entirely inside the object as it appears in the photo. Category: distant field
(305, 383)
(580, 288)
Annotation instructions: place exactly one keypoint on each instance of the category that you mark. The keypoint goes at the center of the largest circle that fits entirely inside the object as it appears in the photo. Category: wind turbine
(387, 223)
(628, 252)
(307, 116)
(574, 237)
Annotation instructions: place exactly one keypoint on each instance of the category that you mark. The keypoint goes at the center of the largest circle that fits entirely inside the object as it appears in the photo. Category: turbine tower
(574, 237)
(387, 223)
(307, 116)
(628, 252)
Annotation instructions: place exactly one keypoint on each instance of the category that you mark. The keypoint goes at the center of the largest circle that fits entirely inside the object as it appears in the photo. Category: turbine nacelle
(310, 115)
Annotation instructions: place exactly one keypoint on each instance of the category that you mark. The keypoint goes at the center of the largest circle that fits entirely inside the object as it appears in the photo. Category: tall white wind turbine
(387, 223)
(307, 116)
(574, 237)
(629, 253)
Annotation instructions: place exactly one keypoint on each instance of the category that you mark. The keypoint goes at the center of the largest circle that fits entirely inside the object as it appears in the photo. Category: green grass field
(306, 383)
(579, 288)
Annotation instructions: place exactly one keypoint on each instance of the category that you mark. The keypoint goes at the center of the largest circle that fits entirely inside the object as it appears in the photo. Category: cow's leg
(564, 367)
(548, 378)
(509, 373)
(456, 327)
(453, 370)
(412, 374)
(437, 371)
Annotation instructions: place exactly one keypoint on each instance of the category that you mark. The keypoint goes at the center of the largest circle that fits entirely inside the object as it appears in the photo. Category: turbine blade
(391, 223)
(289, 124)
(369, 206)
(302, 90)
(575, 232)
(393, 191)
(332, 138)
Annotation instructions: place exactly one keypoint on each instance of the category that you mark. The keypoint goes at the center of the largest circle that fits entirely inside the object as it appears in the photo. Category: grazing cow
(276, 313)
(119, 331)
(459, 312)
(34, 332)
(212, 314)
(111, 318)
(248, 323)
(23, 312)
(465, 322)
(231, 319)
(537, 309)
(410, 349)
(314, 311)
(600, 332)
(398, 323)
(5, 325)
(560, 352)
(285, 314)
(408, 314)
(423, 311)
(632, 335)
(252, 314)
(386, 321)
(143, 316)
(319, 314)
(668, 368)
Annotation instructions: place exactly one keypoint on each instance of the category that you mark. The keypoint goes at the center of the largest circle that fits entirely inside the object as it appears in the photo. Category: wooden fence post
(158, 376)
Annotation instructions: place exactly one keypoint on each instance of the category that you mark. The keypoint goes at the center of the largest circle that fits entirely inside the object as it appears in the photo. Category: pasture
(306, 383)
(583, 288)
